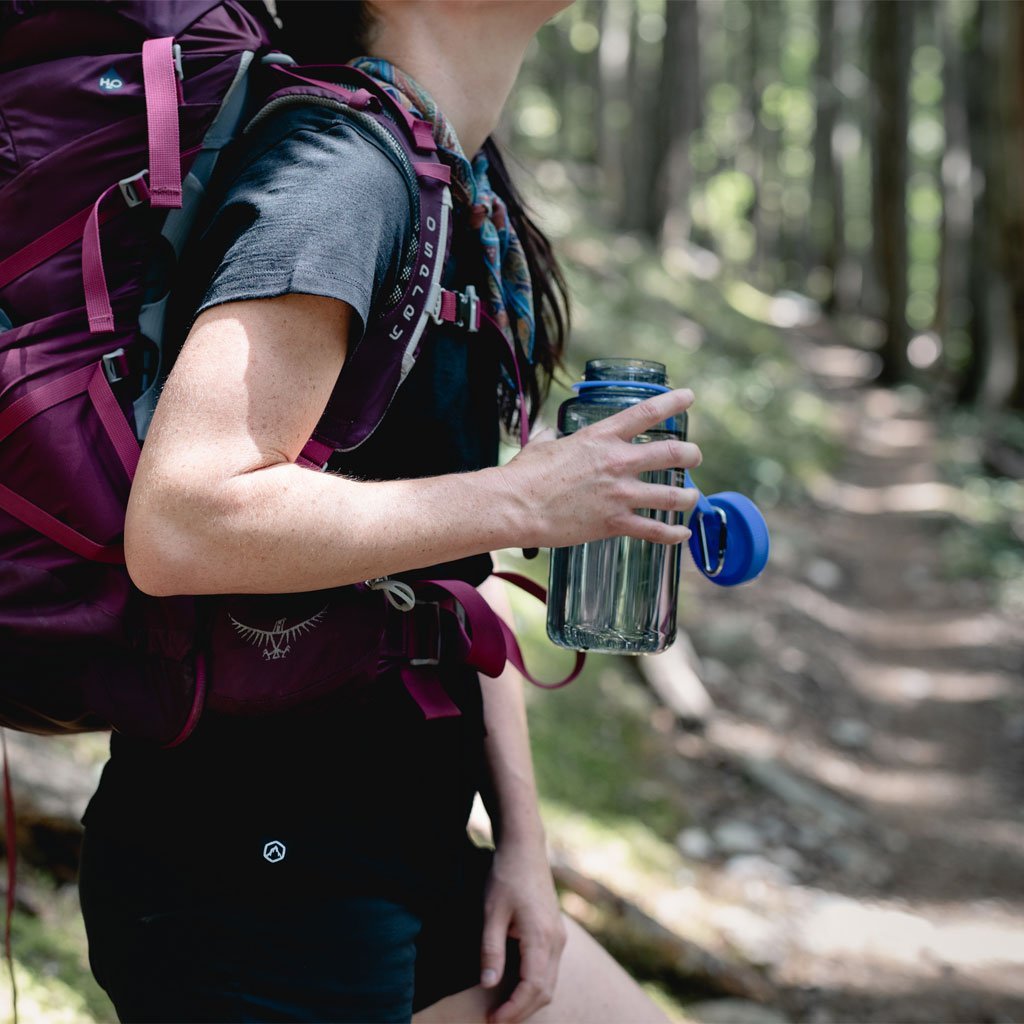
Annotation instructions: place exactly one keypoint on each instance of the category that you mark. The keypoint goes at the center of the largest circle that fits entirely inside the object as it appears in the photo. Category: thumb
(492, 948)
(544, 434)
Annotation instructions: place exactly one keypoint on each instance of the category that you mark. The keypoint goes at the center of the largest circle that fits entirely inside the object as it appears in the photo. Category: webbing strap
(314, 454)
(94, 280)
(421, 131)
(163, 94)
(492, 641)
(89, 379)
(425, 687)
(12, 871)
(52, 242)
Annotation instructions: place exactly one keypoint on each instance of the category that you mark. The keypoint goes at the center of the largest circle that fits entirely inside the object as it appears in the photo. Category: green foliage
(55, 985)
(986, 542)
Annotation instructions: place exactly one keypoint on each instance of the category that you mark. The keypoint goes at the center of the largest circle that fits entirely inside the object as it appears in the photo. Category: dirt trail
(859, 789)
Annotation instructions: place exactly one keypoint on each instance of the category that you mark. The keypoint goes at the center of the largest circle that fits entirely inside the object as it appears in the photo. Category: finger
(671, 454)
(534, 989)
(492, 948)
(641, 417)
(644, 528)
(662, 498)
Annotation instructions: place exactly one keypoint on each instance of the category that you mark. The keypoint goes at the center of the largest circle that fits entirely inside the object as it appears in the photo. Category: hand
(587, 486)
(521, 902)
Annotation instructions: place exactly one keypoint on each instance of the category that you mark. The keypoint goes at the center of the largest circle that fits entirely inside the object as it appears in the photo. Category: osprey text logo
(276, 642)
(274, 851)
(111, 80)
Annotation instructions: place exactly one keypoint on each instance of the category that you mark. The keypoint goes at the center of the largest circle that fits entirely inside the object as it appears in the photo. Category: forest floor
(855, 797)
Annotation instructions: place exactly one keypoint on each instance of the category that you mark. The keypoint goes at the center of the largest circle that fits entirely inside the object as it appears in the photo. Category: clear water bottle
(618, 595)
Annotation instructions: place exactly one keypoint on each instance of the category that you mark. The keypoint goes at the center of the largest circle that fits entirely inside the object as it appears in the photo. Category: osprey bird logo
(276, 642)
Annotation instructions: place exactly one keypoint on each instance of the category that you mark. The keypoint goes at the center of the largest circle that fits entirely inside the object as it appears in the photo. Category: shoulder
(320, 148)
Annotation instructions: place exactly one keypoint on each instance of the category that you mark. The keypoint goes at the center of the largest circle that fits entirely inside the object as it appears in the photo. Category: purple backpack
(113, 115)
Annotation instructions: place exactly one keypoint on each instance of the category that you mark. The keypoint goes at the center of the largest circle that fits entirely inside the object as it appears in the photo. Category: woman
(313, 865)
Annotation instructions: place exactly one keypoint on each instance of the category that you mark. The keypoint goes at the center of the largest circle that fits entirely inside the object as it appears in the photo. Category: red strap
(10, 827)
(449, 308)
(109, 411)
(44, 397)
(94, 280)
(52, 242)
(198, 702)
(438, 171)
(492, 641)
(424, 686)
(314, 454)
(421, 131)
(163, 95)
(91, 379)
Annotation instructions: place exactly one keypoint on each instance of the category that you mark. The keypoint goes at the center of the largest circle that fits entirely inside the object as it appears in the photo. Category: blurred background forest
(810, 809)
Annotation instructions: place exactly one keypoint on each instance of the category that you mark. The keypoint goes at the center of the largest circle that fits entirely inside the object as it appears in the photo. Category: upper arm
(246, 392)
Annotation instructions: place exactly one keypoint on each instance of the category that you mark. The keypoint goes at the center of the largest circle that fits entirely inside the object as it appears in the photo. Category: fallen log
(634, 935)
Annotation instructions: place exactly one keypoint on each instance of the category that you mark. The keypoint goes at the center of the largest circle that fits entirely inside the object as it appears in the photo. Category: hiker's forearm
(286, 528)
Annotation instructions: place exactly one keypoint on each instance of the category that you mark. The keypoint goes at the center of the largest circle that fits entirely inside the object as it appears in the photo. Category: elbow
(163, 546)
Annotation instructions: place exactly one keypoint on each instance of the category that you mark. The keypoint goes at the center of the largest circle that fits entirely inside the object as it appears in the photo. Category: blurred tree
(892, 41)
(676, 116)
(826, 187)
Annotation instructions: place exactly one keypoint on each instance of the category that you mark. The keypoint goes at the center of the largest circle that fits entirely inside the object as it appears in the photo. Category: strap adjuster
(423, 633)
(134, 188)
(459, 308)
(115, 365)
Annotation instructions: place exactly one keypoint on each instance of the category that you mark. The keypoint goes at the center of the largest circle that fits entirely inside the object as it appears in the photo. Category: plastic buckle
(129, 191)
(709, 570)
(176, 55)
(115, 371)
(423, 633)
(469, 310)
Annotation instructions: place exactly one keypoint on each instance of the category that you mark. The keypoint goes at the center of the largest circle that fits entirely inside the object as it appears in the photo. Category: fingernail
(489, 977)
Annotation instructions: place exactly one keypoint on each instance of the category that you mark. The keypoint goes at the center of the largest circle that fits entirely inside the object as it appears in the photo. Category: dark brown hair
(314, 32)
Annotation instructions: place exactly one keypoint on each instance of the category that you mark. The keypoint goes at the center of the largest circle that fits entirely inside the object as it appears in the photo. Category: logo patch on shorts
(274, 851)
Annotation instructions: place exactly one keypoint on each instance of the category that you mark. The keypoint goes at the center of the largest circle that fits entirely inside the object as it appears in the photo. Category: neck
(465, 55)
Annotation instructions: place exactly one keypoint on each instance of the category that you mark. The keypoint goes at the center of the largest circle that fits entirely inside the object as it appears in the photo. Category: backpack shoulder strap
(376, 367)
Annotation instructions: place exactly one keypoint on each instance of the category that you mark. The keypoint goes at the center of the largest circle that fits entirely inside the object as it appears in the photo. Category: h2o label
(111, 80)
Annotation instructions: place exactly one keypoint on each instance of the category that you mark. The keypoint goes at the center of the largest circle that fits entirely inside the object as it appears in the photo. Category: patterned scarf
(509, 298)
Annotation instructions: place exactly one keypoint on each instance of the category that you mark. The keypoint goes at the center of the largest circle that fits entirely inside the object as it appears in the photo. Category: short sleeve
(316, 207)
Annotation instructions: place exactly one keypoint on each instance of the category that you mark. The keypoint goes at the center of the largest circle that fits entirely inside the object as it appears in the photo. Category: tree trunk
(825, 185)
(676, 107)
(891, 52)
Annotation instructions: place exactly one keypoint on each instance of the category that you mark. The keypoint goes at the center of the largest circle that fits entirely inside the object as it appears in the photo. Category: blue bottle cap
(730, 538)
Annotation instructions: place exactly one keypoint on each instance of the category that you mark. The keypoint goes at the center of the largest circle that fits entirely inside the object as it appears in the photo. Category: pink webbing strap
(492, 641)
(315, 454)
(438, 171)
(424, 685)
(52, 242)
(89, 379)
(449, 306)
(12, 871)
(421, 131)
(94, 280)
(198, 702)
(121, 437)
(163, 94)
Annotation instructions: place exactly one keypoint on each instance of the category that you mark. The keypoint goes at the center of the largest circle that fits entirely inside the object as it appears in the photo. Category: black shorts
(374, 909)
(163, 956)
